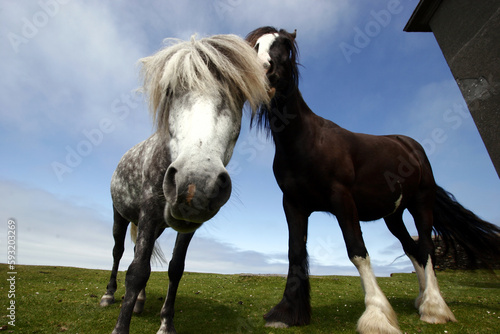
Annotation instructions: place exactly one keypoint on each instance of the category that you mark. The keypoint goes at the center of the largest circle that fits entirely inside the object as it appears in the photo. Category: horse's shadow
(198, 315)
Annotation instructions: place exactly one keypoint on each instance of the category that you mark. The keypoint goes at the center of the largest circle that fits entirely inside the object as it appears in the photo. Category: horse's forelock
(254, 35)
(221, 63)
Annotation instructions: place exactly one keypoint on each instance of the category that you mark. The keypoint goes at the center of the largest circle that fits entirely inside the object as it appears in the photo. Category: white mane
(224, 63)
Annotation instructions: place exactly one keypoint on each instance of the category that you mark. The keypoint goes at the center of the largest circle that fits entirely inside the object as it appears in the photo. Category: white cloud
(73, 66)
(51, 230)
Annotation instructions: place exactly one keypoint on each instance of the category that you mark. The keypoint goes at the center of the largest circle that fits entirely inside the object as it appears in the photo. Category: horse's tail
(157, 257)
(457, 225)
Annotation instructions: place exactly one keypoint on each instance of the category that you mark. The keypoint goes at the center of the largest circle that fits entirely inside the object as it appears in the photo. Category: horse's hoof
(164, 329)
(139, 306)
(376, 320)
(276, 324)
(436, 312)
(107, 300)
(286, 314)
(438, 318)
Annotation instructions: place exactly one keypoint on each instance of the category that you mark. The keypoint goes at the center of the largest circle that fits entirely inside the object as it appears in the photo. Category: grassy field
(59, 299)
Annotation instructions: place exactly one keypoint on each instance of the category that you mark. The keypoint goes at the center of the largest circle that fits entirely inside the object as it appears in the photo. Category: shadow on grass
(349, 310)
(198, 314)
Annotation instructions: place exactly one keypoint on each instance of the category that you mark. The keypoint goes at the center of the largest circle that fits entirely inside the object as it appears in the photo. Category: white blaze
(263, 45)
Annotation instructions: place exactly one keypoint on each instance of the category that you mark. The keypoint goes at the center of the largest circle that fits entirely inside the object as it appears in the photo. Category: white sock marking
(379, 317)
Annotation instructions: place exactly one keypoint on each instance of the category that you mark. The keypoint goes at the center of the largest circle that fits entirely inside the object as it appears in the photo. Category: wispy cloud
(310, 18)
(55, 231)
(51, 230)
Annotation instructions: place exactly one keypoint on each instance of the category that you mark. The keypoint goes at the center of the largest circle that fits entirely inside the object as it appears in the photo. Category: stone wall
(456, 258)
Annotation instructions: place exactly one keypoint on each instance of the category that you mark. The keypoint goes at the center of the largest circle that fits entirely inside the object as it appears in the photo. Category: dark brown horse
(320, 166)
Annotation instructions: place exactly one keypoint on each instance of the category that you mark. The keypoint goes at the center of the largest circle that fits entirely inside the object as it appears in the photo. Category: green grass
(59, 299)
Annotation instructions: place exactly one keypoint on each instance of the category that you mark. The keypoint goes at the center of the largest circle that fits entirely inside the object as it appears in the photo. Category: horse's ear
(294, 34)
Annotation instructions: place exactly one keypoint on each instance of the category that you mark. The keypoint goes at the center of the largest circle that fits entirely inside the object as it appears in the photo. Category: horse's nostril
(221, 191)
(223, 180)
(170, 187)
(270, 67)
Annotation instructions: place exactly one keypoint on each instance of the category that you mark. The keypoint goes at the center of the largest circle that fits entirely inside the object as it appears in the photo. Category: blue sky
(69, 111)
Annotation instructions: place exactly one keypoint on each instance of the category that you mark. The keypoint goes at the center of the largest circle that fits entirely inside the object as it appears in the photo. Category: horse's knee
(137, 276)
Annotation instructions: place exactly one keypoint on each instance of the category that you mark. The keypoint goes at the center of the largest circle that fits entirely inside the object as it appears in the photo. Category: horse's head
(197, 90)
(203, 132)
(278, 53)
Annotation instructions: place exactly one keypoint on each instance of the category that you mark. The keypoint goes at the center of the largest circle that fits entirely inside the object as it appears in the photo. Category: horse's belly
(125, 199)
(375, 206)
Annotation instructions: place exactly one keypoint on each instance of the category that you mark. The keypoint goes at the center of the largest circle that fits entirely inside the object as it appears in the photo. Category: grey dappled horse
(177, 177)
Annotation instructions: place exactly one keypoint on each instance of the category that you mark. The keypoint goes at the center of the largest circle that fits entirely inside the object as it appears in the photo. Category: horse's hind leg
(120, 226)
(430, 303)
(378, 317)
(141, 298)
(397, 227)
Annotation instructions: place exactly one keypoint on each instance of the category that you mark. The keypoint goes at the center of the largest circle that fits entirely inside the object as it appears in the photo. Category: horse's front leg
(138, 273)
(295, 307)
(175, 271)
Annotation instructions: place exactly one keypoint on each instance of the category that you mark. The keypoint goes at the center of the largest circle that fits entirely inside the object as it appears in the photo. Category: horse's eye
(256, 47)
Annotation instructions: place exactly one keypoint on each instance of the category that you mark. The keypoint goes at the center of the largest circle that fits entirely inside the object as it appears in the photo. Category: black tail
(457, 225)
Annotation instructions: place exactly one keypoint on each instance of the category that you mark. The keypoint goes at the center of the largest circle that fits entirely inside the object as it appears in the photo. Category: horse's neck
(290, 118)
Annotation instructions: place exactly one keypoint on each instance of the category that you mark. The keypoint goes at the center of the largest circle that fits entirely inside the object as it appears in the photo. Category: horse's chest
(301, 183)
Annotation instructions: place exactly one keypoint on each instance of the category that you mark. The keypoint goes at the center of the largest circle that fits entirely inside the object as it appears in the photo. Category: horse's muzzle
(194, 197)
